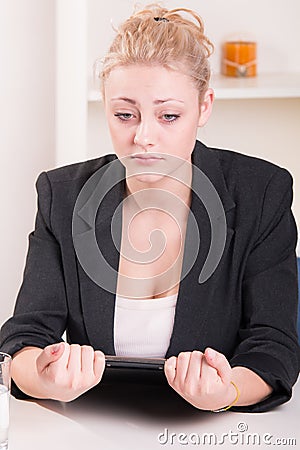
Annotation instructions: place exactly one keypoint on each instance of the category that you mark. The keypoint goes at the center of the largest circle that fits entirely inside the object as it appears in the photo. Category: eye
(170, 117)
(124, 116)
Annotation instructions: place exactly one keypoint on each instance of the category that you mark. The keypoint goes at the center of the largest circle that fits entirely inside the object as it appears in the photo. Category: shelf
(277, 85)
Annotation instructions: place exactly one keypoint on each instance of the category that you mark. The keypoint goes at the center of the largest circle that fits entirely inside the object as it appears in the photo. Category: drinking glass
(5, 362)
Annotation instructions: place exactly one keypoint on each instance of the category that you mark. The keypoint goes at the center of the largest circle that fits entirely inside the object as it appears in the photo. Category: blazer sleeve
(268, 335)
(40, 313)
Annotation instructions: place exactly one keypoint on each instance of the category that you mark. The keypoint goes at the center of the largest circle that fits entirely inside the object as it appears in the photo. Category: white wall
(71, 85)
(27, 128)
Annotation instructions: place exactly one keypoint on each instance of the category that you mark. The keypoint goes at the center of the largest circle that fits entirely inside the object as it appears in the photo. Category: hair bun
(182, 45)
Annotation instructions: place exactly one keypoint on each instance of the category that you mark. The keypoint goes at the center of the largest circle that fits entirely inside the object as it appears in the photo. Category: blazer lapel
(195, 299)
(98, 283)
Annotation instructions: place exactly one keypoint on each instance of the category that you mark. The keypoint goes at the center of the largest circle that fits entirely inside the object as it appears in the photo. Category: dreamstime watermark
(238, 437)
(100, 184)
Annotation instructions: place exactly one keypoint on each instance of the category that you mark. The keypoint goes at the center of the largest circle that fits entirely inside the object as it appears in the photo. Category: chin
(149, 178)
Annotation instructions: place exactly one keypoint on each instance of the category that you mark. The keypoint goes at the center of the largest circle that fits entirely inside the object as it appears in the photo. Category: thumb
(49, 355)
(220, 363)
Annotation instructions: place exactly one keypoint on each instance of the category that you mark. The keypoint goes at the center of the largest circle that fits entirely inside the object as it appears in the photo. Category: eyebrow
(156, 102)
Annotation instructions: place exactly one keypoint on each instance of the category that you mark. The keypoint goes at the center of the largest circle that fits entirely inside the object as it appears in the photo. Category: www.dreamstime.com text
(238, 437)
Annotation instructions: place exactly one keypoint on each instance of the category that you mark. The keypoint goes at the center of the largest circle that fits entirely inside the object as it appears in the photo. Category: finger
(219, 362)
(182, 365)
(74, 359)
(209, 375)
(65, 356)
(170, 369)
(194, 369)
(99, 364)
(50, 354)
(87, 359)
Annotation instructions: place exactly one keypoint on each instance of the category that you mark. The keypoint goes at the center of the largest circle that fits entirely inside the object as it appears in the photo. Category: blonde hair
(163, 37)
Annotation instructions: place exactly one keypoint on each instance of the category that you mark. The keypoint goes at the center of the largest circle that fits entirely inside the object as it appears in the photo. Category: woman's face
(153, 111)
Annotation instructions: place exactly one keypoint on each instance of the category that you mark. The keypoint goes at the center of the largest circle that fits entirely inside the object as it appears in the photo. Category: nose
(144, 135)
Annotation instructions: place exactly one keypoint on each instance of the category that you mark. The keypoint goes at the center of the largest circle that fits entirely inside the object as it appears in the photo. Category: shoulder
(249, 173)
(256, 187)
(79, 170)
(261, 190)
(72, 176)
(58, 190)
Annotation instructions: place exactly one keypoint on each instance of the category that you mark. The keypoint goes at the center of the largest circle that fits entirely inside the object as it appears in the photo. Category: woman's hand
(203, 379)
(67, 371)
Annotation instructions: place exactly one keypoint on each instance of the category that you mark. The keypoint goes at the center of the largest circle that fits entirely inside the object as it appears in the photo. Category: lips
(146, 159)
(147, 156)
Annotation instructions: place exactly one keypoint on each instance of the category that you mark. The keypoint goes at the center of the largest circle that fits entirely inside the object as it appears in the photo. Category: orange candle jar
(239, 59)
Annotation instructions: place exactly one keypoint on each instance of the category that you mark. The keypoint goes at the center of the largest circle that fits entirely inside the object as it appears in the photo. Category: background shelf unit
(277, 85)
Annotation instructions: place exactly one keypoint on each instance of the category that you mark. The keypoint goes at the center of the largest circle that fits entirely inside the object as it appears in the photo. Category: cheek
(186, 136)
(183, 142)
(121, 138)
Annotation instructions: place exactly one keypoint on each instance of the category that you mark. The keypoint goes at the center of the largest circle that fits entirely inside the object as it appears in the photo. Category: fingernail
(171, 362)
(211, 353)
(55, 348)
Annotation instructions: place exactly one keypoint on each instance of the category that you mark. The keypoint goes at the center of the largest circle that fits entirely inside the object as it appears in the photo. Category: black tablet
(134, 363)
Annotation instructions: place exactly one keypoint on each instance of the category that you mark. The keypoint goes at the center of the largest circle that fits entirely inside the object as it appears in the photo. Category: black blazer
(247, 309)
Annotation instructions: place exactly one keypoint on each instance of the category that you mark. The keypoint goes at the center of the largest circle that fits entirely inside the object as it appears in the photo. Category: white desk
(131, 415)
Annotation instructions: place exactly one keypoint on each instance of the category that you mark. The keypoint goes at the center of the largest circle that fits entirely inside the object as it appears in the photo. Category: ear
(206, 107)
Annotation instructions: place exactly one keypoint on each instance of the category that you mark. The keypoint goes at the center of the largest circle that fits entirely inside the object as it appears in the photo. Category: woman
(229, 335)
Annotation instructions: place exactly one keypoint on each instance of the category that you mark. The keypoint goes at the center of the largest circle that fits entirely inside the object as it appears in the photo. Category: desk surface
(132, 414)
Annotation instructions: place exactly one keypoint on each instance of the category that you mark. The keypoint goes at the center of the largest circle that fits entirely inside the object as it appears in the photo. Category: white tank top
(143, 327)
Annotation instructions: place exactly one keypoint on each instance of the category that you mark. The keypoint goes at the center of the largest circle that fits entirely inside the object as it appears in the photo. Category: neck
(177, 182)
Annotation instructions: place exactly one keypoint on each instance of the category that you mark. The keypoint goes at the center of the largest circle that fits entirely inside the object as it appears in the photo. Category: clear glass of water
(5, 362)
